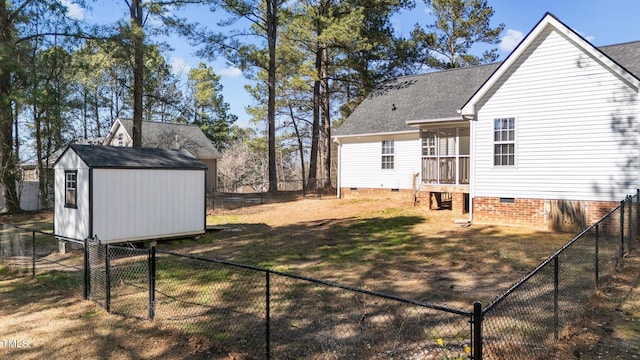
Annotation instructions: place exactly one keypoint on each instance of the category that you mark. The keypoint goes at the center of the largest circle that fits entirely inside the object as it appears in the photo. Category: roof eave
(433, 121)
(375, 134)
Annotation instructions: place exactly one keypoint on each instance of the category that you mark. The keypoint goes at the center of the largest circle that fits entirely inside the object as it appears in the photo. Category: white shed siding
(576, 128)
(140, 204)
(361, 162)
(71, 222)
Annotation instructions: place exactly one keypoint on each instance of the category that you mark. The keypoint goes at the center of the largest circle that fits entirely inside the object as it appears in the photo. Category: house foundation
(547, 214)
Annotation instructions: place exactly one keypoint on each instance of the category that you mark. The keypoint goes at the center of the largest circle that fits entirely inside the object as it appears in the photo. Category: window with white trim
(387, 154)
(120, 139)
(504, 142)
(71, 189)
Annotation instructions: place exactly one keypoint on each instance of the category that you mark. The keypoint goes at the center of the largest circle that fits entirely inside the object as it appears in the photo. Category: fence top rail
(323, 282)
(551, 258)
(61, 237)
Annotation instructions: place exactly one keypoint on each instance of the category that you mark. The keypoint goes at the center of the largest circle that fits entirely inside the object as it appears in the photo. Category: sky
(602, 22)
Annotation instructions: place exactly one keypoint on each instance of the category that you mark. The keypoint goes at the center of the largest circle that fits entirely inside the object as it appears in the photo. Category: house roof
(171, 135)
(438, 96)
(102, 156)
(626, 55)
(435, 95)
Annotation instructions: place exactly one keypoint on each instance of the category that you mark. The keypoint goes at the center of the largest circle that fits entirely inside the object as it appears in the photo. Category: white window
(504, 142)
(71, 189)
(120, 139)
(387, 154)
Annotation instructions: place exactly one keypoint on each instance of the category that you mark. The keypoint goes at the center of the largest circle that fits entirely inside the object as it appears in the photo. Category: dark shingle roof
(163, 135)
(439, 95)
(101, 156)
(436, 95)
(626, 55)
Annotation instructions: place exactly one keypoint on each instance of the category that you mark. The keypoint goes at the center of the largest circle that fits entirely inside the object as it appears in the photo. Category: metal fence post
(476, 338)
(637, 214)
(597, 257)
(621, 229)
(85, 280)
(267, 316)
(630, 223)
(556, 283)
(152, 282)
(33, 253)
(107, 278)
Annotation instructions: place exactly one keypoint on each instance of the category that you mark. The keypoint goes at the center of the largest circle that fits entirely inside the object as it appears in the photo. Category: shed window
(71, 189)
(504, 142)
(387, 154)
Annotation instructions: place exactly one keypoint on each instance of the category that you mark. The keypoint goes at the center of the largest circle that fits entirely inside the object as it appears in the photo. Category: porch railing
(442, 170)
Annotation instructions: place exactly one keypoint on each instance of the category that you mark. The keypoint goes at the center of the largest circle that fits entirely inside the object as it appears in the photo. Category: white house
(124, 194)
(169, 136)
(550, 132)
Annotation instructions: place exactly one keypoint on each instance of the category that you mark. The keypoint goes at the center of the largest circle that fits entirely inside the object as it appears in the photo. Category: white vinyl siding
(577, 128)
(132, 204)
(360, 162)
(68, 221)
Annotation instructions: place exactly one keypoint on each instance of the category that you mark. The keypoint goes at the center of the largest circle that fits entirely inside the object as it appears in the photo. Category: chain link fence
(259, 313)
(57, 259)
(256, 313)
(243, 195)
(528, 319)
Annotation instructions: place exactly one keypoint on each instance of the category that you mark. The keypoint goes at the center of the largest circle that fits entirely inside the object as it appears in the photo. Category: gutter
(339, 165)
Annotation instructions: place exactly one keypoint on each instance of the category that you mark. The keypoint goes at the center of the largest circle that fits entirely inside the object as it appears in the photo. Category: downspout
(90, 207)
(339, 181)
(472, 162)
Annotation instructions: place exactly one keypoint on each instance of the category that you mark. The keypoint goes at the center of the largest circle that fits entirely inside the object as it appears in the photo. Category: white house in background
(124, 194)
(550, 134)
(169, 136)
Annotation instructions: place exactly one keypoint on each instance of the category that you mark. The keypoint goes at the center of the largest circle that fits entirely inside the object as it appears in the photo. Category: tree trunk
(138, 70)
(300, 143)
(326, 118)
(7, 156)
(272, 22)
(315, 127)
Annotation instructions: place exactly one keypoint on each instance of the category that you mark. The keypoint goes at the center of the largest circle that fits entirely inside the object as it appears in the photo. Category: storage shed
(122, 194)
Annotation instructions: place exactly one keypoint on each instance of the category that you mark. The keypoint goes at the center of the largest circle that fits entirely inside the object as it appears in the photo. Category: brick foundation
(527, 212)
(536, 212)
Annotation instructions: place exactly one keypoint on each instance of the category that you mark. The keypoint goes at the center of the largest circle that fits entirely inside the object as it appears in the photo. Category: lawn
(383, 245)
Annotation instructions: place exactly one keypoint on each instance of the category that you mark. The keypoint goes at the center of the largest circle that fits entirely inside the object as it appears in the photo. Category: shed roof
(101, 156)
(173, 135)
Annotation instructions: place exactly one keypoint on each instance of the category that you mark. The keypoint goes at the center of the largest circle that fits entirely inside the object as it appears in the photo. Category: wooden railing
(442, 170)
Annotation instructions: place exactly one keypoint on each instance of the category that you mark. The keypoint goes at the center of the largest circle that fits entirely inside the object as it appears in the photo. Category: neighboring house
(548, 136)
(169, 136)
(128, 194)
